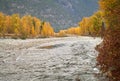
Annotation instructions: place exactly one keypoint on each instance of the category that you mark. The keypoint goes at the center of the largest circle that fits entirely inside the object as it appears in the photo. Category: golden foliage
(24, 27)
(47, 30)
(87, 26)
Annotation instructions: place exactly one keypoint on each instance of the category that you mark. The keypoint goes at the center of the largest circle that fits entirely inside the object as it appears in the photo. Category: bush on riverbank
(109, 50)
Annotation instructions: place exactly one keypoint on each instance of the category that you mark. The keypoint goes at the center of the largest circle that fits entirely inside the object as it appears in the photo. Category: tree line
(30, 27)
(24, 27)
(88, 26)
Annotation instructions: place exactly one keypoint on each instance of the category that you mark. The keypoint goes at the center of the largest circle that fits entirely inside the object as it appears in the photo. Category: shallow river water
(50, 59)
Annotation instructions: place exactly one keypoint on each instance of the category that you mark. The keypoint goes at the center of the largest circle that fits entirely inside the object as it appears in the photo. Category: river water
(50, 59)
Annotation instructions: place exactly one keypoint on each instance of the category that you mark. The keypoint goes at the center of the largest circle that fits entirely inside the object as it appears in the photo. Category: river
(49, 59)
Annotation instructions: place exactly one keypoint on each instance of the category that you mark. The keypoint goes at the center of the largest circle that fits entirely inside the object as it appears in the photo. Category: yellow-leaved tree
(47, 30)
(8, 24)
(2, 24)
(15, 23)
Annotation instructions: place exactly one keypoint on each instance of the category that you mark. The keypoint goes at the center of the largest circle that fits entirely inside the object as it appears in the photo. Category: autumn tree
(91, 25)
(8, 24)
(84, 25)
(73, 31)
(109, 49)
(62, 33)
(47, 30)
(15, 23)
(25, 28)
(37, 25)
(96, 23)
(30, 26)
(2, 24)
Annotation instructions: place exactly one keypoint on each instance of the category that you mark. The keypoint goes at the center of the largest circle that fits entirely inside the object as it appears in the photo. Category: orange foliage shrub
(109, 49)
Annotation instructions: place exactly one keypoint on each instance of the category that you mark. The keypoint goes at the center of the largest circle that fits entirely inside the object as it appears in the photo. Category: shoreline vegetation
(14, 26)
